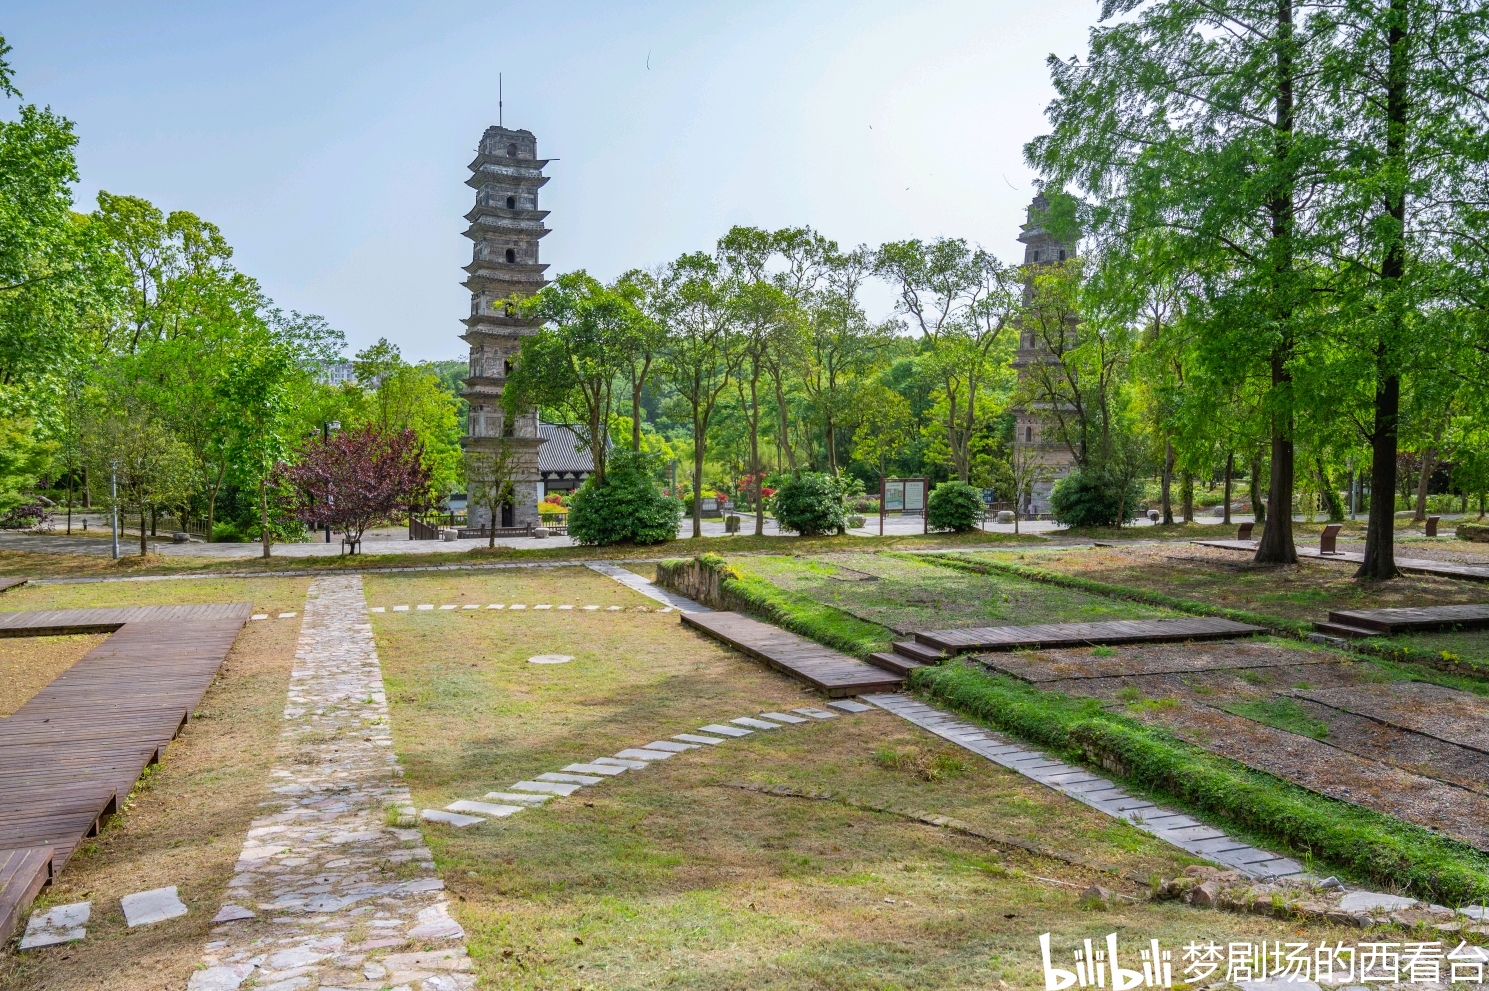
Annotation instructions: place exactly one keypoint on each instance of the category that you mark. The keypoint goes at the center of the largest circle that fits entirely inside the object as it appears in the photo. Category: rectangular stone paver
(144, 908)
(695, 738)
(457, 819)
(634, 765)
(58, 924)
(670, 746)
(484, 808)
(753, 723)
(547, 787)
(512, 796)
(577, 779)
(608, 770)
(848, 705)
(638, 753)
(782, 717)
(814, 713)
(723, 730)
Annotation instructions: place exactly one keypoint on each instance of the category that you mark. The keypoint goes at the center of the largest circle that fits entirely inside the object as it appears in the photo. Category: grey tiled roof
(562, 450)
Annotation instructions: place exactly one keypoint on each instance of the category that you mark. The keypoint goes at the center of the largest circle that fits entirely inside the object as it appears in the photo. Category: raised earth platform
(1420, 619)
(833, 673)
(986, 638)
(1406, 565)
(70, 755)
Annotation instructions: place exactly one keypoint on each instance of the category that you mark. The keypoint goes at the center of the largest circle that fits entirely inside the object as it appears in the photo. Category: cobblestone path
(329, 891)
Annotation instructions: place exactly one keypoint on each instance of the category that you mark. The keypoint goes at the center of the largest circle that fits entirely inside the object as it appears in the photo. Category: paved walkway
(326, 894)
(1189, 835)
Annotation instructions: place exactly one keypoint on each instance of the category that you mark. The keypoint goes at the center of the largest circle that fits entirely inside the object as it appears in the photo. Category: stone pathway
(1171, 826)
(327, 894)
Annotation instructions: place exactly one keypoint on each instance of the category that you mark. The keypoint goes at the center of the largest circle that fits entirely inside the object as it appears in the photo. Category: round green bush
(954, 505)
(628, 508)
(1093, 498)
(809, 503)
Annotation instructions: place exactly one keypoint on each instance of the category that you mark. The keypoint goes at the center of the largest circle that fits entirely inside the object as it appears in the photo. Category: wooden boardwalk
(835, 674)
(72, 753)
(1083, 634)
(9, 583)
(1406, 565)
(1419, 619)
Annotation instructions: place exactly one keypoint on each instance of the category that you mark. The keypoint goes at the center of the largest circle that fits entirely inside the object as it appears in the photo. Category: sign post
(904, 495)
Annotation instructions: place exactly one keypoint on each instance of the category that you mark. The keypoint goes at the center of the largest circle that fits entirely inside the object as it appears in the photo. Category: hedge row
(1373, 847)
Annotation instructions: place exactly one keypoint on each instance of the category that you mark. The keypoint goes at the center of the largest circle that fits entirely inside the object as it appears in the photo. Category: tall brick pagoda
(505, 226)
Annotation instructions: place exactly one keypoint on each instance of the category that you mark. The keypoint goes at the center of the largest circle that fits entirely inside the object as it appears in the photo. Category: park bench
(1432, 522)
(1327, 538)
(1245, 531)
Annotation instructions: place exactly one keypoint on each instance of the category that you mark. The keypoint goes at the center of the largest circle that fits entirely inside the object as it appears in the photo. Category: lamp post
(114, 507)
(326, 429)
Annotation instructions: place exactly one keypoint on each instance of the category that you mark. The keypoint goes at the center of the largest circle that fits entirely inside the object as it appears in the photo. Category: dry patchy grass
(671, 877)
(185, 822)
(29, 664)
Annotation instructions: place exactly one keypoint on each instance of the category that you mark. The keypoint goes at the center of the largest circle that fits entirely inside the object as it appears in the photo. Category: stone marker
(517, 605)
(550, 659)
(427, 606)
(675, 748)
(634, 765)
(753, 723)
(848, 705)
(781, 717)
(566, 606)
(512, 796)
(59, 924)
(543, 606)
(259, 615)
(723, 730)
(695, 738)
(233, 913)
(287, 615)
(636, 753)
(146, 907)
(450, 818)
(547, 787)
(446, 607)
(484, 808)
(400, 608)
(807, 710)
(497, 605)
(377, 609)
(576, 779)
(470, 607)
(609, 770)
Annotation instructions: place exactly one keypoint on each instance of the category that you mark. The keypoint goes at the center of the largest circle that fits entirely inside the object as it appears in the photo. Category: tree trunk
(1331, 497)
(1258, 507)
(143, 548)
(264, 516)
(1168, 480)
(697, 481)
(87, 491)
(1423, 477)
(1230, 468)
(1276, 545)
(832, 447)
(1380, 536)
(784, 441)
(1187, 489)
(636, 415)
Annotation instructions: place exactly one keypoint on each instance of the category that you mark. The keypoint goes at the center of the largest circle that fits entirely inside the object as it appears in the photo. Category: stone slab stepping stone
(59, 924)
(566, 605)
(400, 608)
(695, 738)
(233, 913)
(544, 606)
(1369, 901)
(146, 907)
(259, 615)
(426, 606)
(781, 717)
(497, 605)
(288, 615)
(848, 705)
(573, 779)
(754, 723)
(668, 745)
(591, 607)
(723, 730)
(450, 818)
(377, 609)
(548, 787)
(612, 608)
(634, 765)
(470, 607)
(636, 753)
(609, 770)
(446, 607)
(484, 808)
(550, 659)
(517, 605)
(815, 713)
(512, 796)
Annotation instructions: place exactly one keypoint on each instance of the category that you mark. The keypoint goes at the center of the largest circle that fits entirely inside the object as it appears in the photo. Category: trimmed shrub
(810, 503)
(1093, 498)
(628, 508)
(954, 505)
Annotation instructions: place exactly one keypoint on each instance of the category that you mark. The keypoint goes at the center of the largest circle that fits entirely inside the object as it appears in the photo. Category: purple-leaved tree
(356, 479)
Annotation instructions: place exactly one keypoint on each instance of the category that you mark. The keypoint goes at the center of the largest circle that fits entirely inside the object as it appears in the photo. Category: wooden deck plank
(829, 671)
(71, 751)
(1409, 618)
(1047, 635)
(23, 873)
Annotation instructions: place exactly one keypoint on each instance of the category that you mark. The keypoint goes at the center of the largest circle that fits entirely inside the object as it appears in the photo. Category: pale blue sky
(330, 140)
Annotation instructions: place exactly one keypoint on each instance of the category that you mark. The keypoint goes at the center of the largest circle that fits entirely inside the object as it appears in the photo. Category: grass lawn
(185, 822)
(908, 595)
(1305, 591)
(671, 877)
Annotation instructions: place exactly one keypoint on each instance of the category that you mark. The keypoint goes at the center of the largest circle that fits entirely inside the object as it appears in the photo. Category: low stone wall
(1477, 532)
(701, 579)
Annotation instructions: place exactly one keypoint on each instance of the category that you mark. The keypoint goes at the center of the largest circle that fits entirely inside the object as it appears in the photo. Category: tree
(490, 486)
(1201, 120)
(411, 397)
(627, 507)
(700, 351)
(153, 468)
(356, 479)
